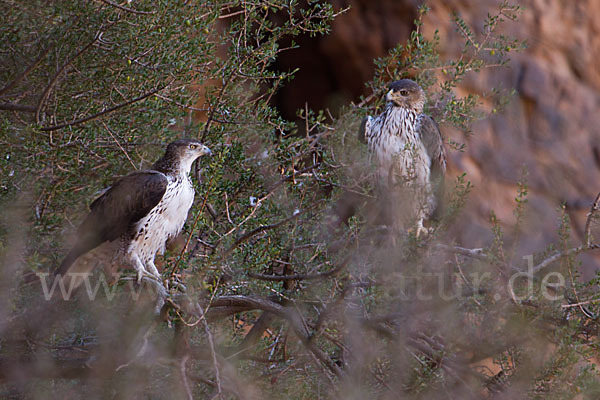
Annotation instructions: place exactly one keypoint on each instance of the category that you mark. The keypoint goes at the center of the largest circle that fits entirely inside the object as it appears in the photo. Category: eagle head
(406, 93)
(183, 153)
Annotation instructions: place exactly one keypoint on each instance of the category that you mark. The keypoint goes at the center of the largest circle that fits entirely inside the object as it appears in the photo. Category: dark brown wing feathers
(433, 141)
(362, 130)
(434, 144)
(116, 212)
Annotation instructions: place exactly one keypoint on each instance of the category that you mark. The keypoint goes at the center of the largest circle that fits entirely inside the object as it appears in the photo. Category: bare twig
(213, 110)
(298, 277)
(581, 303)
(561, 254)
(104, 112)
(23, 75)
(110, 132)
(213, 352)
(129, 10)
(17, 107)
(588, 222)
(292, 176)
(478, 253)
(50, 86)
(184, 377)
(263, 228)
(141, 351)
(227, 305)
(233, 14)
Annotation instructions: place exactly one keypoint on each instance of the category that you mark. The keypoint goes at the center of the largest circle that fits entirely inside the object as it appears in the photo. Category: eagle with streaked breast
(409, 151)
(135, 217)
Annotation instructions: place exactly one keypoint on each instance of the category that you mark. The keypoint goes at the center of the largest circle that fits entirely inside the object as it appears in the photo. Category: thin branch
(263, 228)
(581, 303)
(292, 176)
(141, 351)
(227, 304)
(184, 377)
(165, 98)
(129, 10)
(22, 76)
(213, 110)
(233, 14)
(588, 222)
(110, 132)
(17, 107)
(213, 352)
(478, 253)
(50, 86)
(587, 246)
(101, 113)
(299, 277)
(561, 254)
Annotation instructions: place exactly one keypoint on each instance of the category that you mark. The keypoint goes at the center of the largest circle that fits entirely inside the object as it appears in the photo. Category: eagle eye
(193, 147)
(404, 92)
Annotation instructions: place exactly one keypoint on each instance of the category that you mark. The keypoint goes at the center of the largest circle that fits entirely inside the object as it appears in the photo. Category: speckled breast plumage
(393, 139)
(164, 221)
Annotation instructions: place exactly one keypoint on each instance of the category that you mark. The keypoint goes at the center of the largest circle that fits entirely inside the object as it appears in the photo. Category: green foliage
(419, 58)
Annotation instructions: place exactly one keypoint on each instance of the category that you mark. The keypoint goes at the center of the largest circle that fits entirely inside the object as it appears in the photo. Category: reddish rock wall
(552, 125)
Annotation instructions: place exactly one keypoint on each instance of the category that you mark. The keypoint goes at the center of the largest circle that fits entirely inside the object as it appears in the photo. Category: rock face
(551, 127)
(335, 67)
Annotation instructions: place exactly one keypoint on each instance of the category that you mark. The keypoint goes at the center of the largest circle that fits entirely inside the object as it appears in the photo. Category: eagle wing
(116, 212)
(362, 131)
(434, 145)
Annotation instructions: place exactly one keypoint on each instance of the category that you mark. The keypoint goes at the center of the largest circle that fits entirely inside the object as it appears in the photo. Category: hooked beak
(206, 151)
(388, 96)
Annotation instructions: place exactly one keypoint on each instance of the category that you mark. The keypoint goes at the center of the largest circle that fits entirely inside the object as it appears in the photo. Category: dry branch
(17, 107)
(129, 10)
(263, 228)
(588, 222)
(58, 74)
(23, 75)
(228, 305)
(104, 112)
(299, 277)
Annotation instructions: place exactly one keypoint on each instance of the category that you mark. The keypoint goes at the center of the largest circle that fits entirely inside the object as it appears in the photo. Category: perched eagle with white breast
(134, 218)
(409, 152)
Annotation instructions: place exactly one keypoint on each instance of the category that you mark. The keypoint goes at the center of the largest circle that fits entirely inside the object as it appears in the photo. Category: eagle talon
(177, 284)
(153, 277)
(421, 231)
(139, 275)
(142, 273)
